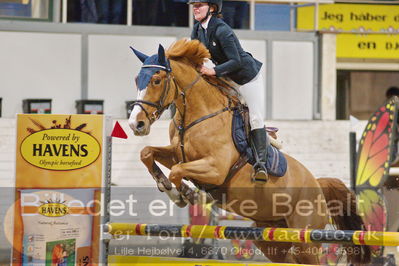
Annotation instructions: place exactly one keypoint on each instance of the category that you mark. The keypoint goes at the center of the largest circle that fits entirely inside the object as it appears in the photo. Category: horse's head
(154, 91)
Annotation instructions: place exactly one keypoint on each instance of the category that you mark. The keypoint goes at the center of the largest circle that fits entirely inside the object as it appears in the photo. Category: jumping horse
(201, 150)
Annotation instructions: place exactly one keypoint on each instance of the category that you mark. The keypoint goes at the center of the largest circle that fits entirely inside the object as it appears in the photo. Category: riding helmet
(218, 3)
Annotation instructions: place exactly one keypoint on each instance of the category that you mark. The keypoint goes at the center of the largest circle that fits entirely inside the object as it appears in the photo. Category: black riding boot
(259, 146)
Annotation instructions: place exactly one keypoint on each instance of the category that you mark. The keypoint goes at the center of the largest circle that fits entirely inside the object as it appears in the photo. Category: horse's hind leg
(275, 251)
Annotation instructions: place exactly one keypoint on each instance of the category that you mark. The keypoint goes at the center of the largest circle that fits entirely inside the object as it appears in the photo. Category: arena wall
(322, 146)
(69, 62)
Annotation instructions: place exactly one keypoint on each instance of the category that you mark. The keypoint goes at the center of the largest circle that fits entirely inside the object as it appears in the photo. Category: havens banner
(60, 149)
(59, 176)
(51, 148)
(375, 28)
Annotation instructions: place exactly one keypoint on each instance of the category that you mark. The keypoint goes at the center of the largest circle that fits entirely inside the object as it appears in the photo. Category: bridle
(160, 107)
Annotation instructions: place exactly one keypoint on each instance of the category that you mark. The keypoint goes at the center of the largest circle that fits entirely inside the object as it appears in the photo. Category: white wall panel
(39, 65)
(113, 67)
(292, 87)
(48, 65)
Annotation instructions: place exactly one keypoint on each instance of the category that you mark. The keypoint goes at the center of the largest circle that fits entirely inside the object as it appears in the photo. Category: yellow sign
(351, 17)
(382, 20)
(368, 46)
(53, 210)
(60, 149)
(45, 140)
(59, 176)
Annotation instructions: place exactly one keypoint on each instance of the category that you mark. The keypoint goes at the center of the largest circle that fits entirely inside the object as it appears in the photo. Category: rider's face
(200, 10)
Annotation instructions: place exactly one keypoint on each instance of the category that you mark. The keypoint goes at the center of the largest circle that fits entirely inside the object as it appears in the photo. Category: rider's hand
(207, 71)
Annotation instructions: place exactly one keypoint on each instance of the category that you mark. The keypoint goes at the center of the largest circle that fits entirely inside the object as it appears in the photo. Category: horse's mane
(194, 53)
(189, 52)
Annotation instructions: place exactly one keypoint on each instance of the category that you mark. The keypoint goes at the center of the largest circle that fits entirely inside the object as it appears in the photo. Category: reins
(181, 128)
(160, 107)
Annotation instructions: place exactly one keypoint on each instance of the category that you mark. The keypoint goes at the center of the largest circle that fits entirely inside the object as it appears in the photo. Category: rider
(234, 63)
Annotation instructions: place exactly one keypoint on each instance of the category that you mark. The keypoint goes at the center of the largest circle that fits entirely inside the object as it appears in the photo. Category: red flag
(118, 131)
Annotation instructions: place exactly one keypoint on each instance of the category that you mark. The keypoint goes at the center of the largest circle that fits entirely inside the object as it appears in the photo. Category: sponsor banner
(351, 17)
(59, 175)
(375, 28)
(59, 151)
(368, 46)
(69, 213)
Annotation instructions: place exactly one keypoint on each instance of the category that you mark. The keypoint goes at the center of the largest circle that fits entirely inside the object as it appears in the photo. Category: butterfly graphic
(373, 163)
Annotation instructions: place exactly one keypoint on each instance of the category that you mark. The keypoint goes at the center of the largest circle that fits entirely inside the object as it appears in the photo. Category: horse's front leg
(166, 156)
(203, 171)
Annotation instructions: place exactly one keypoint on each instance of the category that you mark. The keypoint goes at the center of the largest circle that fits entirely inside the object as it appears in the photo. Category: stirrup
(260, 175)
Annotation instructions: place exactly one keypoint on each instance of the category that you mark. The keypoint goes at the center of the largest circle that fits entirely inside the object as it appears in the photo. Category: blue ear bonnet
(146, 73)
(151, 64)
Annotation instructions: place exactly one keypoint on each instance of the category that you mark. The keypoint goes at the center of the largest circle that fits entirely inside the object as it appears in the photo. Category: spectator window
(145, 12)
(26, 9)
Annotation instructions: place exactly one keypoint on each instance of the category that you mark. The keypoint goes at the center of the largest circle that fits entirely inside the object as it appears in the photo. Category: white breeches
(250, 93)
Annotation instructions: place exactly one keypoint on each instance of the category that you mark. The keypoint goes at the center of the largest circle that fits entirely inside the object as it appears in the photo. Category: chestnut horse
(202, 150)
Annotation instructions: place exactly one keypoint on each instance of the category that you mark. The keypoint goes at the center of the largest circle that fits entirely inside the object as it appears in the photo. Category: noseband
(160, 108)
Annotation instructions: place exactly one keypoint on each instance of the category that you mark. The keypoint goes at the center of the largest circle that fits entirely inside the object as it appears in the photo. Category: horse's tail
(342, 206)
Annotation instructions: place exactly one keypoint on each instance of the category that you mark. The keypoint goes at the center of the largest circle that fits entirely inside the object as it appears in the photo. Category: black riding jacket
(227, 54)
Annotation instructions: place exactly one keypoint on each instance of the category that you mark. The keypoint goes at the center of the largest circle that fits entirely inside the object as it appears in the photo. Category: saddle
(230, 89)
(227, 87)
(276, 163)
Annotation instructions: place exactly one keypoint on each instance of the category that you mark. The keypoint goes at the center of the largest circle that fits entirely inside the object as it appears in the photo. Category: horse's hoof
(176, 198)
(167, 184)
(180, 203)
(206, 198)
(185, 199)
(161, 187)
(189, 195)
(192, 199)
(163, 183)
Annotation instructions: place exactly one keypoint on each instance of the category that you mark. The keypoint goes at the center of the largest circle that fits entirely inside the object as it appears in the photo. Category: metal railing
(252, 6)
(59, 11)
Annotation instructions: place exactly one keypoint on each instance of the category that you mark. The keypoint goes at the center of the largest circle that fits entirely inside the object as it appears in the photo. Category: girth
(216, 191)
(182, 130)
